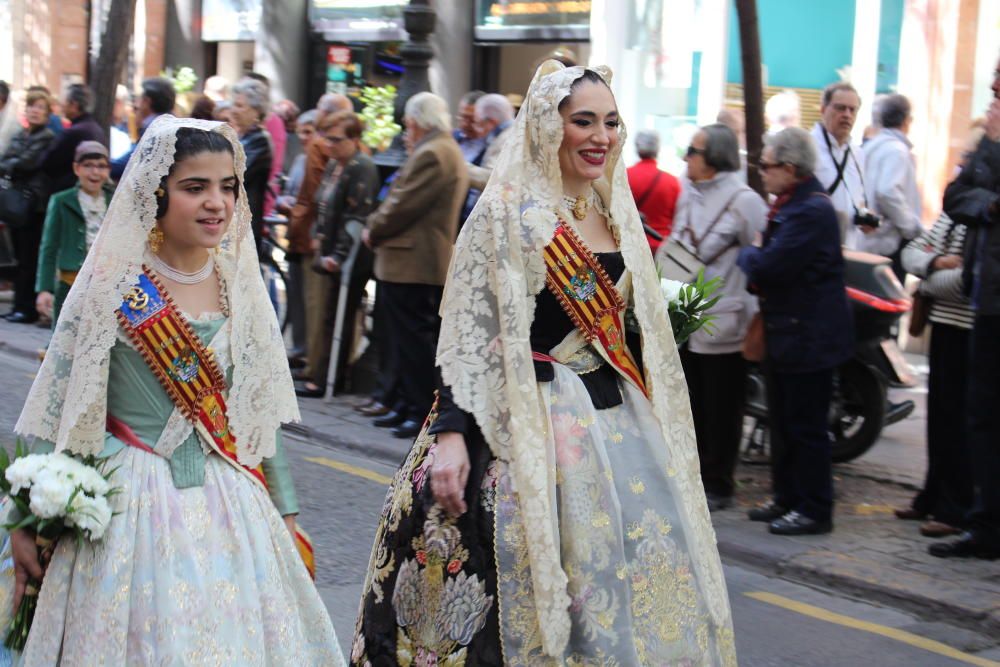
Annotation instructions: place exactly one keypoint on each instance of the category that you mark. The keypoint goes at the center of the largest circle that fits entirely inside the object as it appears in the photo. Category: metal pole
(419, 19)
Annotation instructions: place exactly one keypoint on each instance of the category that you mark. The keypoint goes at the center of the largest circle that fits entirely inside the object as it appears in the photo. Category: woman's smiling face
(202, 195)
(590, 133)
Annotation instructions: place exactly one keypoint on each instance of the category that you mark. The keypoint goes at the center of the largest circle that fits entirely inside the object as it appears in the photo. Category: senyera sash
(188, 372)
(590, 298)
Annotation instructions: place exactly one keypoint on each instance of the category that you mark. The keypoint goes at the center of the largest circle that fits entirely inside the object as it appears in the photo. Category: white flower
(91, 515)
(49, 494)
(52, 480)
(21, 472)
(84, 476)
(671, 289)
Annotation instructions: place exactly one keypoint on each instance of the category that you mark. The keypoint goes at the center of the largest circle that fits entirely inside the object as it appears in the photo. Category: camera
(863, 216)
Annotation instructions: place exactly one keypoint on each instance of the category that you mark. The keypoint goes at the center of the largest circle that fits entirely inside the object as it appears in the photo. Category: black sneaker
(717, 502)
(897, 412)
(767, 512)
(968, 545)
(794, 523)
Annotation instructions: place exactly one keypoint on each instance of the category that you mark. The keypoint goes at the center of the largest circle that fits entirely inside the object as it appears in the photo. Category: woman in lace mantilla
(551, 511)
(199, 563)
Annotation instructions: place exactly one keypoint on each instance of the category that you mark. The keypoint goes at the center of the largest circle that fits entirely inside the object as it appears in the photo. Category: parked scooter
(860, 408)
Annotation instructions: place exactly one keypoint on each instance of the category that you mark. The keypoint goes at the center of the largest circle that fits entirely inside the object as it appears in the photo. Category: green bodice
(136, 397)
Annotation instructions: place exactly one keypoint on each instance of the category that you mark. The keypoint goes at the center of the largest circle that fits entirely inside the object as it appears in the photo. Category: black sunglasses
(694, 151)
(764, 166)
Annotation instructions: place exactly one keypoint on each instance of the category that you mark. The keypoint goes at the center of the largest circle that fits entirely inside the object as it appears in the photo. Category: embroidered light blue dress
(197, 566)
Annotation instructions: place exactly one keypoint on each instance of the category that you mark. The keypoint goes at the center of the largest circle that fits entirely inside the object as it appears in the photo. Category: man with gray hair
(412, 234)
(467, 133)
(655, 191)
(494, 118)
(841, 164)
(891, 183)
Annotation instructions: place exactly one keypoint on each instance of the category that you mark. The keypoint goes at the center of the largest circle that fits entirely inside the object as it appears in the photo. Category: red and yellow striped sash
(590, 298)
(189, 374)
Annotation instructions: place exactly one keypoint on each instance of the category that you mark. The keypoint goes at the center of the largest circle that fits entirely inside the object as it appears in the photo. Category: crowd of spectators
(780, 259)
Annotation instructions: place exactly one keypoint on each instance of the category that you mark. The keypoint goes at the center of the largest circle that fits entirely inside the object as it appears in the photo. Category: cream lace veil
(485, 355)
(67, 404)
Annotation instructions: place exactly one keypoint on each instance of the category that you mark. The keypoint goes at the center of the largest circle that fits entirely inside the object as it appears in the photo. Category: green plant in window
(183, 78)
(380, 127)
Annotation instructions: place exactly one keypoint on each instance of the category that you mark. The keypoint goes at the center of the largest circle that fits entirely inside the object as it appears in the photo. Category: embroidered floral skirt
(200, 576)
(446, 591)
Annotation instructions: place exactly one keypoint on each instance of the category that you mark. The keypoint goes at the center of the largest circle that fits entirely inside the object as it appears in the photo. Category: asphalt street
(777, 622)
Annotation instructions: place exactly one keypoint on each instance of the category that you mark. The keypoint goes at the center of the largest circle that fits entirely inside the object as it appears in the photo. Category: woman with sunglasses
(798, 273)
(717, 214)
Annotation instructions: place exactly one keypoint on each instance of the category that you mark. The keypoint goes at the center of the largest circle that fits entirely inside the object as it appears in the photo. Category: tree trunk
(107, 73)
(753, 89)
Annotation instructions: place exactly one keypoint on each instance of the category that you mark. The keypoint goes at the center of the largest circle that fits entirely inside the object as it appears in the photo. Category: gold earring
(159, 193)
(155, 239)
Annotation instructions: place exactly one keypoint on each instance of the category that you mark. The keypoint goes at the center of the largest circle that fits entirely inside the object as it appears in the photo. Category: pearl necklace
(579, 206)
(180, 277)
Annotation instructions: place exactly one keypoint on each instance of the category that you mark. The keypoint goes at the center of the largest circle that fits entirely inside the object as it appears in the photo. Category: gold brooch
(137, 299)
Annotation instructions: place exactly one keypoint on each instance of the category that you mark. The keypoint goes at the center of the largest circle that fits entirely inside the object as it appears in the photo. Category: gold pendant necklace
(579, 206)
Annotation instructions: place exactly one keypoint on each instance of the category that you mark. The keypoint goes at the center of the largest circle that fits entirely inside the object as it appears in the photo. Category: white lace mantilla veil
(67, 404)
(485, 355)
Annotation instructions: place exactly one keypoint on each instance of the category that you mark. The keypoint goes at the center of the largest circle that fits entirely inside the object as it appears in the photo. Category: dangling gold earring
(155, 239)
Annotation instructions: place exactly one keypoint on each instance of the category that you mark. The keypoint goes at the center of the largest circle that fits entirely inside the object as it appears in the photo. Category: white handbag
(678, 259)
(678, 262)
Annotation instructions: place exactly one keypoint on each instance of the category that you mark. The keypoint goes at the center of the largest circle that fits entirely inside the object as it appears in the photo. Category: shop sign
(230, 20)
(338, 55)
(533, 19)
(358, 20)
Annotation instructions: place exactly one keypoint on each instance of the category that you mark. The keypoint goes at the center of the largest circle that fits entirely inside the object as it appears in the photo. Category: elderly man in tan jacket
(412, 234)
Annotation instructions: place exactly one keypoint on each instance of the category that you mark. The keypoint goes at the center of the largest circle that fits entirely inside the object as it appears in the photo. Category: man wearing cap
(71, 225)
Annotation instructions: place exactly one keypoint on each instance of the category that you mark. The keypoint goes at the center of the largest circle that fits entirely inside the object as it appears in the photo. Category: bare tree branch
(111, 59)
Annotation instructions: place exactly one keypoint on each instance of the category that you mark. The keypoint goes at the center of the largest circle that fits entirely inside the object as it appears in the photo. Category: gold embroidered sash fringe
(189, 374)
(590, 299)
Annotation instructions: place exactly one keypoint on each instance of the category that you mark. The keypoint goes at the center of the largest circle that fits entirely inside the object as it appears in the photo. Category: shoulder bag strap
(708, 230)
(840, 167)
(728, 207)
(649, 190)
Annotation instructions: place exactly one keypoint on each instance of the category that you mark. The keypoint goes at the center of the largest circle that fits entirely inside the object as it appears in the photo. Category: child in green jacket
(71, 224)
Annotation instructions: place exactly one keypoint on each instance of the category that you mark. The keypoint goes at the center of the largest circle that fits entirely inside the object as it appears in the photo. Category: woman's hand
(43, 303)
(26, 565)
(942, 262)
(290, 524)
(450, 472)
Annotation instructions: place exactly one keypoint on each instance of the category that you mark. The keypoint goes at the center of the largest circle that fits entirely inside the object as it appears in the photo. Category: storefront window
(506, 20)
(358, 20)
(230, 20)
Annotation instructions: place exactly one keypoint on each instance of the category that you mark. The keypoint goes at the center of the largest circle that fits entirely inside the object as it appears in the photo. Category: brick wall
(51, 41)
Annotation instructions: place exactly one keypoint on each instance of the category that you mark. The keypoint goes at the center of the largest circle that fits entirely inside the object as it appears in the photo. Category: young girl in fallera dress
(168, 362)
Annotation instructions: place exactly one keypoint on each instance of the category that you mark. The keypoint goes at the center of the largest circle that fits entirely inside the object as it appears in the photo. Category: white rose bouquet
(687, 304)
(53, 495)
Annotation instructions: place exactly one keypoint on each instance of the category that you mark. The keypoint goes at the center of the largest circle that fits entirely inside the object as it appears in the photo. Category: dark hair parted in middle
(588, 75)
(190, 142)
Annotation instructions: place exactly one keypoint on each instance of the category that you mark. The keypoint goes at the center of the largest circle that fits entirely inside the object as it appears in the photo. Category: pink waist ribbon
(124, 432)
